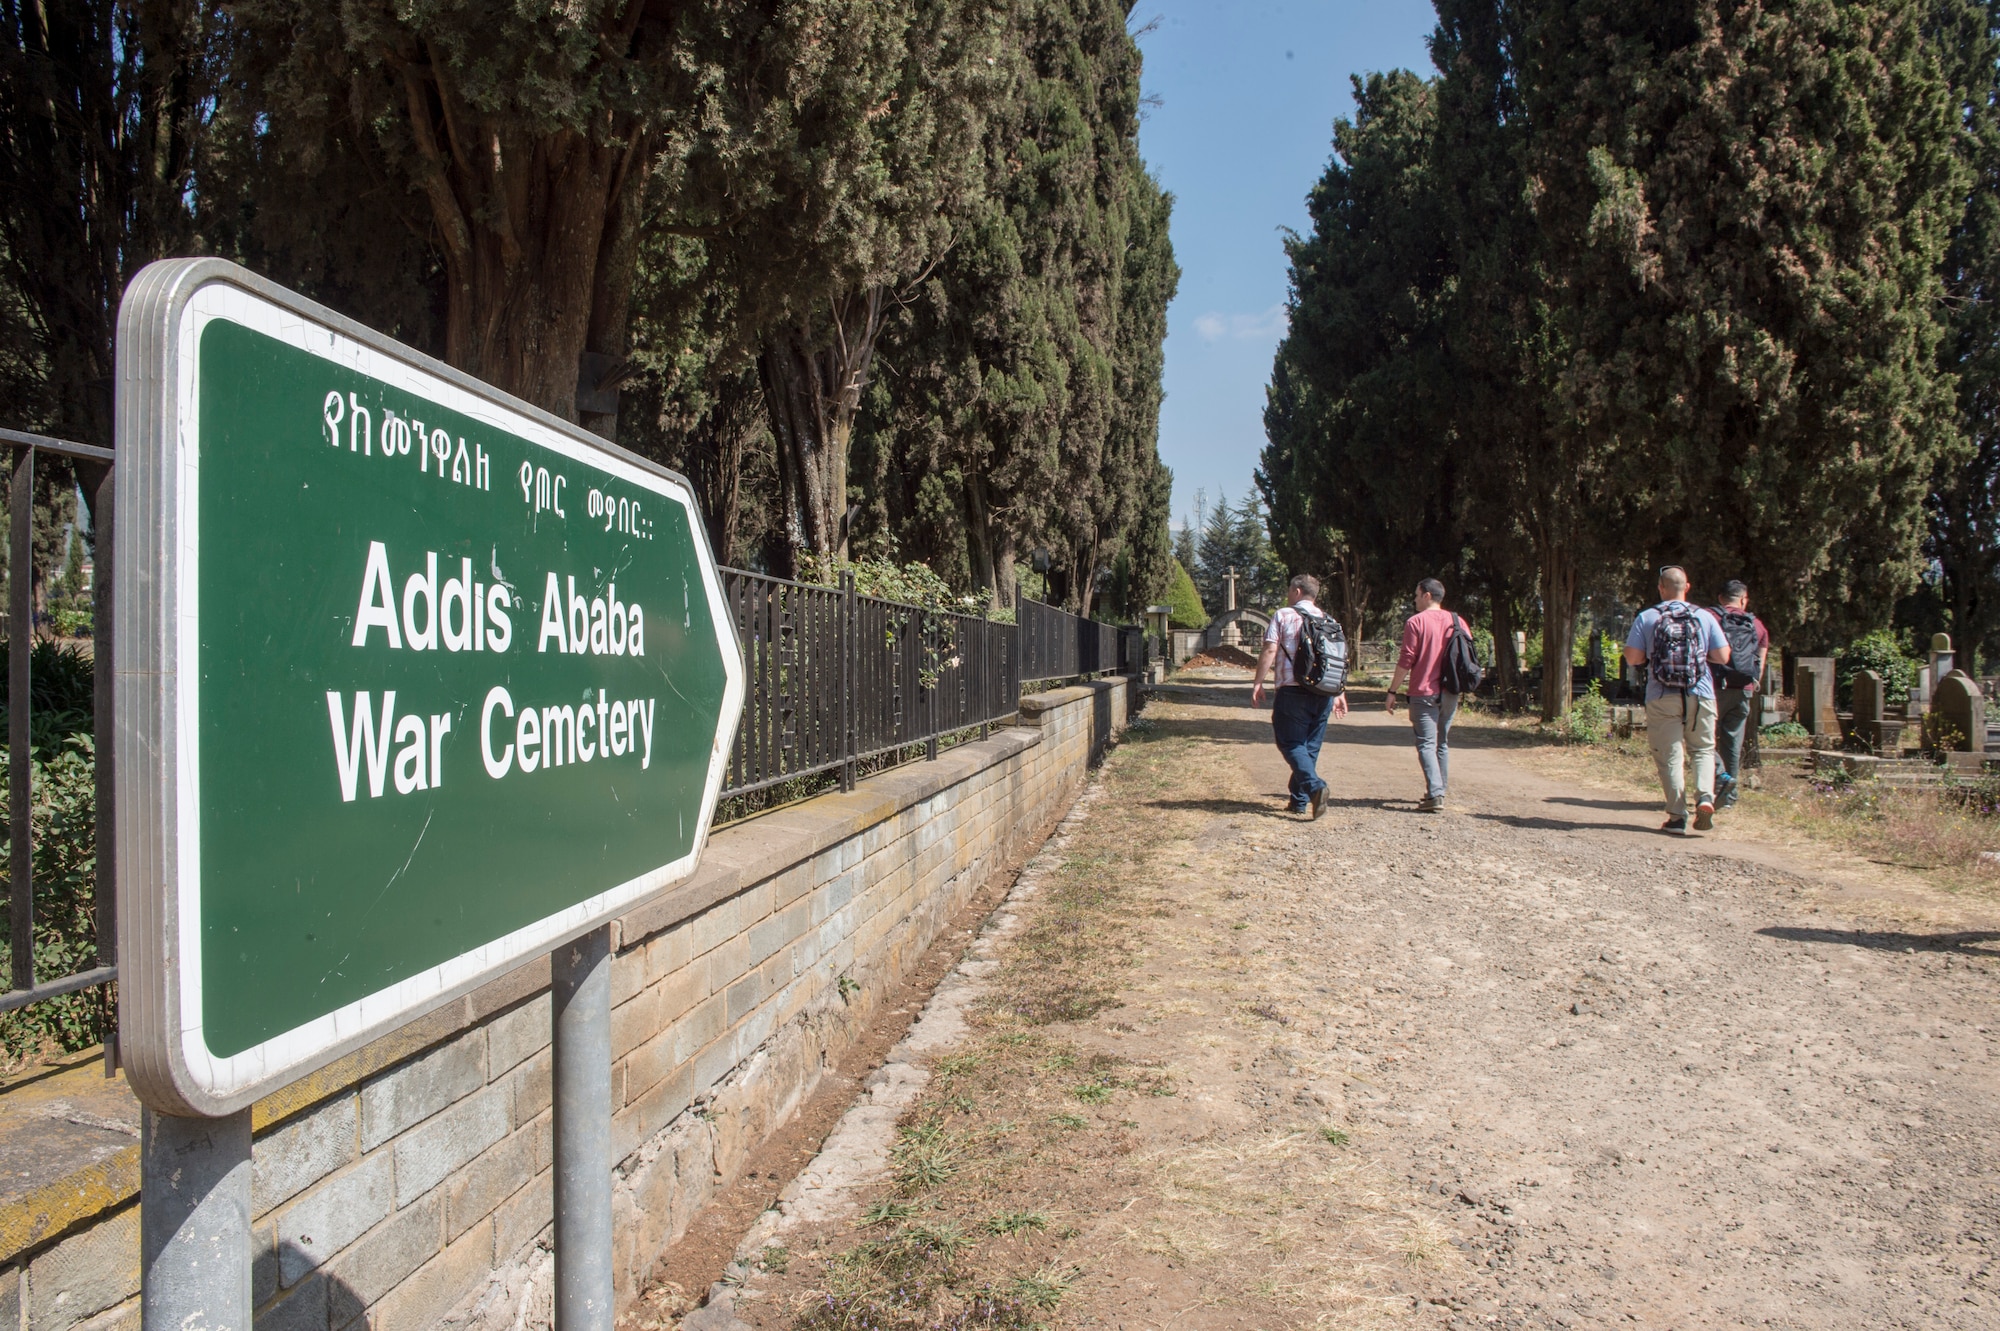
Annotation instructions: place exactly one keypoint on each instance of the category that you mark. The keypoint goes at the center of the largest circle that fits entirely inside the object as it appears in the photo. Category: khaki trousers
(1672, 731)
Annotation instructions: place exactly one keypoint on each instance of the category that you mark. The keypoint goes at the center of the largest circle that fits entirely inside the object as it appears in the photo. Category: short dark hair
(1432, 588)
(1307, 584)
(1734, 588)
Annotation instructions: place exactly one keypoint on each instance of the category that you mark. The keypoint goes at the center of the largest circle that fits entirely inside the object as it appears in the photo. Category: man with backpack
(1677, 643)
(1437, 659)
(1736, 685)
(1305, 656)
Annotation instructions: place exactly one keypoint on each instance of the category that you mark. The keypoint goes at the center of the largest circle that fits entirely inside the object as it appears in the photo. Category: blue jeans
(1298, 723)
(1430, 716)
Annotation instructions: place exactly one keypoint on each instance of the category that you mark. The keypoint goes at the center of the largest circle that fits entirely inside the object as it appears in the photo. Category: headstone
(1871, 713)
(1960, 709)
(1593, 660)
(1920, 693)
(1867, 698)
(1229, 589)
(1942, 658)
(1814, 687)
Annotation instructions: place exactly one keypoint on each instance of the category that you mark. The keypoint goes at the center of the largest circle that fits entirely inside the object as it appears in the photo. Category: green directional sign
(414, 682)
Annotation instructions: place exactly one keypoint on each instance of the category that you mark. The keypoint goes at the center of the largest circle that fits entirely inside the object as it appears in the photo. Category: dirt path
(1528, 1063)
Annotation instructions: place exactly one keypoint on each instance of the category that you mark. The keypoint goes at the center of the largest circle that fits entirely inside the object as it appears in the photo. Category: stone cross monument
(1229, 589)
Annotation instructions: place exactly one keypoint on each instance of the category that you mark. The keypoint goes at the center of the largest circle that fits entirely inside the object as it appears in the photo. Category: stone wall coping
(1037, 703)
(45, 1191)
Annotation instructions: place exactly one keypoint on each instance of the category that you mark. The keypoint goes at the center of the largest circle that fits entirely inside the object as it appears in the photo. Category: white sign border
(198, 1081)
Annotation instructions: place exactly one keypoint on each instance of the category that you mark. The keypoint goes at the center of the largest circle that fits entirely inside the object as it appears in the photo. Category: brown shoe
(1319, 802)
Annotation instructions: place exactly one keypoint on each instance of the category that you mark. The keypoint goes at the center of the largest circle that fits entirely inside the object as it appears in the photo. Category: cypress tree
(1964, 504)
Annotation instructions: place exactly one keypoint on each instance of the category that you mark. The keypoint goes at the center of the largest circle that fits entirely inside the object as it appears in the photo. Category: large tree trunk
(1506, 662)
(1084, 565)
(715, 464)
(979, 537)
(812, 380)
(539, 237)
(1559, 584)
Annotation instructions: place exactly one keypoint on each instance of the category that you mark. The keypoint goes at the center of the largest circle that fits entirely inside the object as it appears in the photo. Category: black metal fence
(93, 472)
(837, 679)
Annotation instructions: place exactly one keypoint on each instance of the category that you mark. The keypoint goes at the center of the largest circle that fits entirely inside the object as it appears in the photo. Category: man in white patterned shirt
(1298, 715)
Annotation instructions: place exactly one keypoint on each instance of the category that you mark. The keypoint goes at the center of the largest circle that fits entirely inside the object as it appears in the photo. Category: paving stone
(84, 1275)
(364, 1274)
(475, 1191)
(305, 1150)
(333, 1215)
(427, 1154)
(125, 1317)
(304, 1309)
(424, 1298)
(410, 1094)
(513, 1037)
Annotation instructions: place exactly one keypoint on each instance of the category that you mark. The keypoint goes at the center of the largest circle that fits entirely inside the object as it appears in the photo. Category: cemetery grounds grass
(1936, 835)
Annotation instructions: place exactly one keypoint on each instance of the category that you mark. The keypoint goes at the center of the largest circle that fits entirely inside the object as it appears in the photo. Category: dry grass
(1936, 834)
(1028, 1191)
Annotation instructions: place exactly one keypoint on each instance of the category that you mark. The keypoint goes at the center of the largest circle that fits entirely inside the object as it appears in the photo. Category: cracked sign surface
(449, 682)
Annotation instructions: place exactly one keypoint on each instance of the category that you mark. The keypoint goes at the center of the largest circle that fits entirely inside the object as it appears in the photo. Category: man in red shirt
(1425, 637)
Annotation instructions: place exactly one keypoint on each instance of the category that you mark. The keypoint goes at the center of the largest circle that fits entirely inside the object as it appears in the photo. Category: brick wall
(409, 1184)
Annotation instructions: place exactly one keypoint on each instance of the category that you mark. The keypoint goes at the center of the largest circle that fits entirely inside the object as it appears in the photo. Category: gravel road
(1528, 1063)
(1647, 1079)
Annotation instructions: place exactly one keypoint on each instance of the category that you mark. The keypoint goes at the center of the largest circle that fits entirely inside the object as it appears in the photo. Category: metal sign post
(415, 683)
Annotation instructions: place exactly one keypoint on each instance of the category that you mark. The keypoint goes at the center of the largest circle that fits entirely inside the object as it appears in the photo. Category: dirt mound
(1225, 656)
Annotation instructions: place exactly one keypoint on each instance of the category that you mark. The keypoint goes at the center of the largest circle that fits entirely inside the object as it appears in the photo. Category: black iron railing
(92, 466)
(837, 679)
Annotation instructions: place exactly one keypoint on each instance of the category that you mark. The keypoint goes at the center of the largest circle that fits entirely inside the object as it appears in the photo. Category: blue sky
(1248, 92)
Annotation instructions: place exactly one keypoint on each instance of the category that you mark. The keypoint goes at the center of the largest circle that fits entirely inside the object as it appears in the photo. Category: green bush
(1880, 652)
(62, 686)
(64, 820)
(1184, 601)
(1588, 719)
(911, 584)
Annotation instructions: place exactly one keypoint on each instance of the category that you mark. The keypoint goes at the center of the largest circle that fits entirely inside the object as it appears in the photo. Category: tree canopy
(737, 237)
(1621, 286)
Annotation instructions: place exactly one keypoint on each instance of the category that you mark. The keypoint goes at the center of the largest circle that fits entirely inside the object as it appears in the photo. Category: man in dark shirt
(1736, 686)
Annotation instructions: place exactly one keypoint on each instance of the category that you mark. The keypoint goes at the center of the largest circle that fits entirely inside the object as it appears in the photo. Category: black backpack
(1460, 671)
(1739, 629)
(1320, 663)
(1677, 657)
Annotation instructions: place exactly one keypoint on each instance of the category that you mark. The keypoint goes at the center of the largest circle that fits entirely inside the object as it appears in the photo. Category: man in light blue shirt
(1677, 643)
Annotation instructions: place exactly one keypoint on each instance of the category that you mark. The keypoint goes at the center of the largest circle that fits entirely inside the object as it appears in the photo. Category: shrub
(1185, 601)
(64, 820)
(1588, 719)
(62, 684)
(911, 584)
(1880, 652)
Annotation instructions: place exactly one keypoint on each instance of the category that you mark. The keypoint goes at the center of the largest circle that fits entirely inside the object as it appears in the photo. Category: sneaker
(1319, 802)
(1675, 825)
(1298, 808)
(1428, 804)
(1704, 815)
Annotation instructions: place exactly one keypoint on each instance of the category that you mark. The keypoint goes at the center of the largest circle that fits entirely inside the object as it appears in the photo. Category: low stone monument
(1872, 723)
(1958, 710)
(1942, 659)
(1812, 678)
